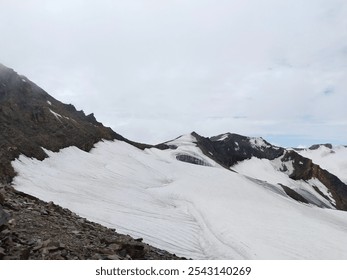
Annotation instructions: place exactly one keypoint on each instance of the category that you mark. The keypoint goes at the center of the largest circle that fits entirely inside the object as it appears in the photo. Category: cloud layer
(155, 69)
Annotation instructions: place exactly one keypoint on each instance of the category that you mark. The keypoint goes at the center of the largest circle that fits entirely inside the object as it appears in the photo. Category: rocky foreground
(33, 229)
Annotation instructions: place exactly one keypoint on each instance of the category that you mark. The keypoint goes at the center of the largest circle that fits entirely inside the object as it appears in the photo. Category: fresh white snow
(258, 143)
(194, 211)
(57, 116)
(237, 148)
(334, 160)
(49, 103)
(223, 137)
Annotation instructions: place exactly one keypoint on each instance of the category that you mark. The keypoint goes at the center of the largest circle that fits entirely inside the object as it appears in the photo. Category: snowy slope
(334, 160)
(192, 210)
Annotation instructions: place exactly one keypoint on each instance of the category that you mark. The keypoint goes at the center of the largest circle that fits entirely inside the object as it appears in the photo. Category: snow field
(194, 211)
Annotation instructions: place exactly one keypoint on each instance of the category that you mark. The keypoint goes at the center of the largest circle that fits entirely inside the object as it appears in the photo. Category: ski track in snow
(194, 211)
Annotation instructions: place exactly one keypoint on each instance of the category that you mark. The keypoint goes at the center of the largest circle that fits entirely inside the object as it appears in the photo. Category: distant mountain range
(223, 197)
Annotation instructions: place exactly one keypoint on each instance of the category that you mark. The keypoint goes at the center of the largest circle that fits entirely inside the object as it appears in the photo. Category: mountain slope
(31, 119)
(194, 210)
(304, 180)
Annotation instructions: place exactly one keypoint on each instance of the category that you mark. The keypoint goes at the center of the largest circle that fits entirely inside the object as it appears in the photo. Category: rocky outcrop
(336, 187)
(33, 229)
(302, 167)
(293, 194)
(191, 159)
(305, 169)
(228, 149)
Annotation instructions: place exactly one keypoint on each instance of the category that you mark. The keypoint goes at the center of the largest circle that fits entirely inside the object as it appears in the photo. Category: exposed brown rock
(305, 169)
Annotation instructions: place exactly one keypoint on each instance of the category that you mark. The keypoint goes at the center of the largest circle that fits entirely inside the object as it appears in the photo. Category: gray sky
(155, 69)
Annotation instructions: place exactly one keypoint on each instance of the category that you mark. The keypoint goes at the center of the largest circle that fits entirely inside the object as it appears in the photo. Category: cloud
(155, 69)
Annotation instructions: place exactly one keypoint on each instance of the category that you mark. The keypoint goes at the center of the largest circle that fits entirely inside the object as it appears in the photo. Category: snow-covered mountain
(183, 201)
(303, 179)
(223, 197)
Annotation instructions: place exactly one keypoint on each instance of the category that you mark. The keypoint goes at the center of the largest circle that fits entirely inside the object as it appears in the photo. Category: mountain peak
(230, 148)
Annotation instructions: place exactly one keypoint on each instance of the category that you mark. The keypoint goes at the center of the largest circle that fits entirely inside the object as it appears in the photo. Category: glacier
(195, 211)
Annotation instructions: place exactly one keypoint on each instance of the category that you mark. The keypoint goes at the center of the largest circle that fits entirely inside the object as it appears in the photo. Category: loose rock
(60, 234)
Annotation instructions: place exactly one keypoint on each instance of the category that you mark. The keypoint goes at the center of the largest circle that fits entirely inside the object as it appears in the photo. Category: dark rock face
(34, 229)
(229, 149)
(334, 184)
(293, 194)
(191, 159)
(302, 166)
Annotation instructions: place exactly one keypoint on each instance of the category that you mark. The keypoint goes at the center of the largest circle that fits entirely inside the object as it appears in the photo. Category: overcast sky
(154, 69)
